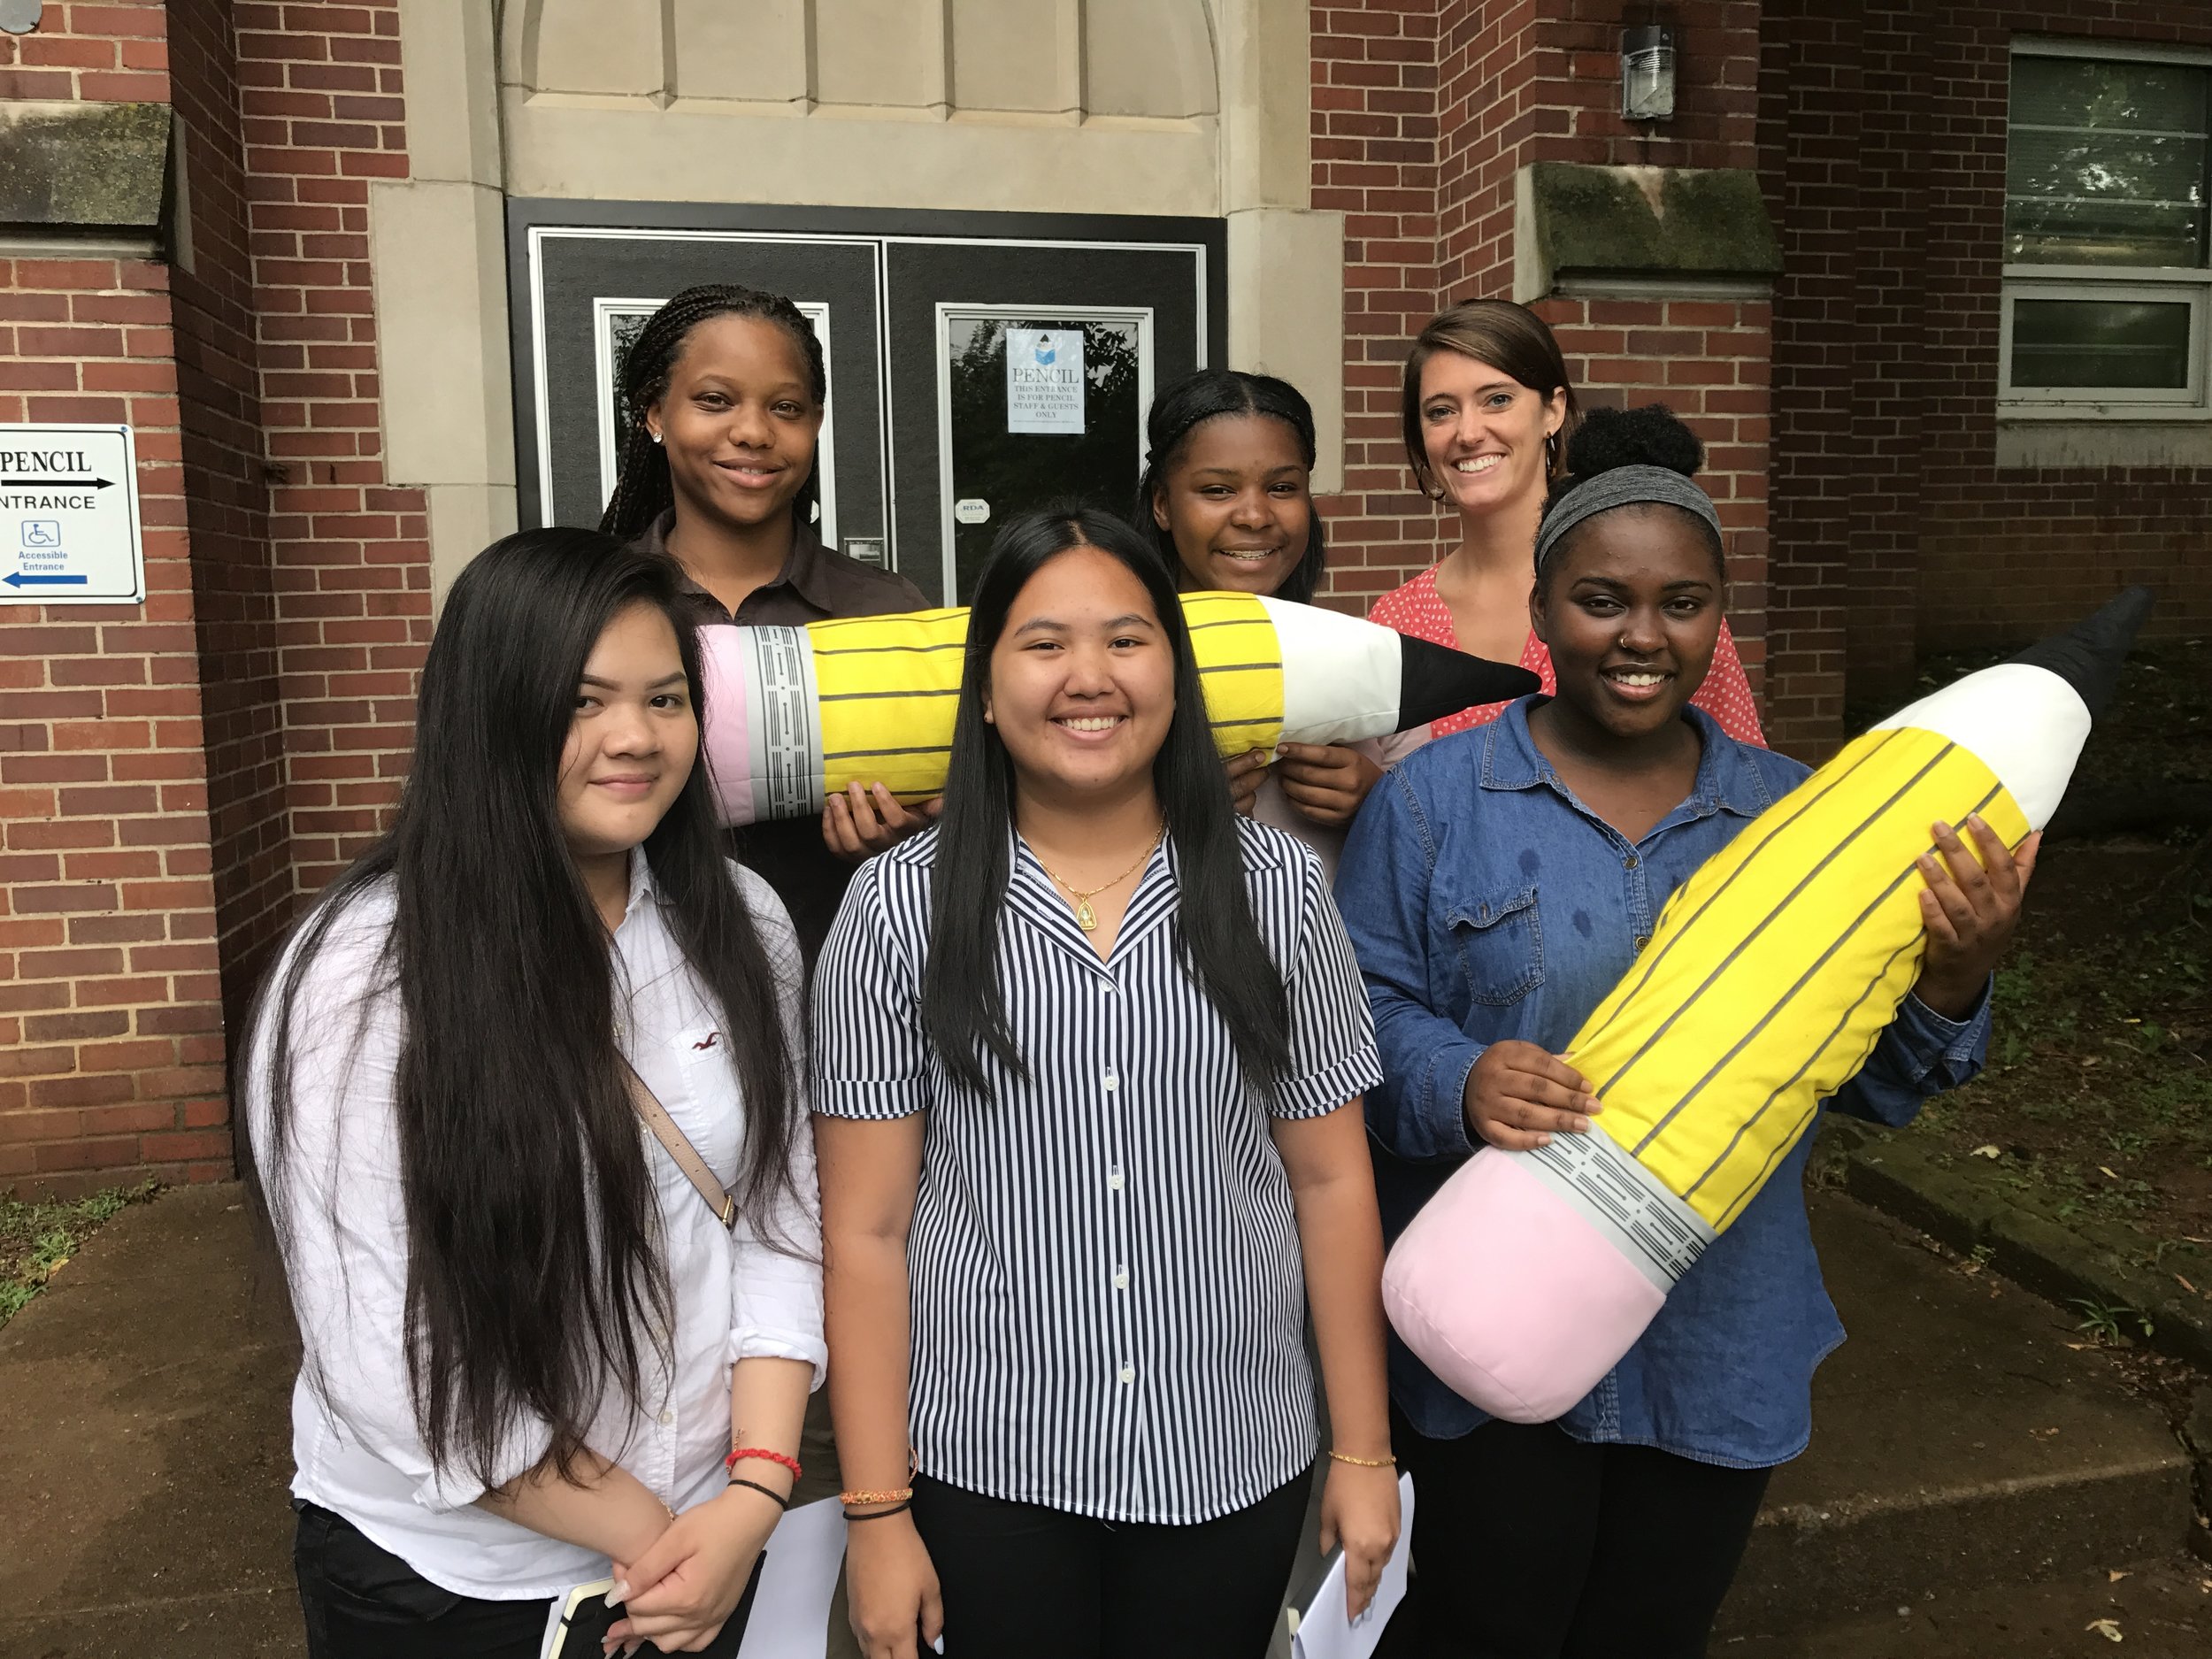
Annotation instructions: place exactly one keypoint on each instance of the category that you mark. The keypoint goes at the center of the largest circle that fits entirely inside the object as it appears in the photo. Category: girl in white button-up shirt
(529, 1341)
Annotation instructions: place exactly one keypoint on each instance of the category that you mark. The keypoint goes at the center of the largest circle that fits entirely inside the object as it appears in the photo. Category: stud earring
(655, 436)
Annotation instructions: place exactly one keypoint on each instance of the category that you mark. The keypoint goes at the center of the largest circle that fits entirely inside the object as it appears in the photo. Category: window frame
(2039, 281)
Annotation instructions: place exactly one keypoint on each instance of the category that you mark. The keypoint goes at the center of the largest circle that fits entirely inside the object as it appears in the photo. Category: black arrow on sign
(56, 483)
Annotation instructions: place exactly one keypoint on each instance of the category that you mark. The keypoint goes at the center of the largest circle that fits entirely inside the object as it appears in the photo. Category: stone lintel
(71, 166)
(1655, 225)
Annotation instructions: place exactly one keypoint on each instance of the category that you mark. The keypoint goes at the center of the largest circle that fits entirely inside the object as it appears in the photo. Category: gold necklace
(1086, 917)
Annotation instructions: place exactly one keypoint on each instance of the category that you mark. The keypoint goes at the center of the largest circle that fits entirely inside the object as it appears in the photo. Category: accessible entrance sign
(69, 526)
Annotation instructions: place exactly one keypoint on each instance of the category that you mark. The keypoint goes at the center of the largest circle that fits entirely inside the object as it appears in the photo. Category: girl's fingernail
(1543, 1140)
(620, 1593)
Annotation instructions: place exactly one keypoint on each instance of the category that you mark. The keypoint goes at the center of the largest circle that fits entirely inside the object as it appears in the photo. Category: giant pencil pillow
(1772, 974)
(795, 714)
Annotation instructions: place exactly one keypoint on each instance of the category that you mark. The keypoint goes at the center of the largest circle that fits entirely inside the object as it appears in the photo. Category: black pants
(361, 1602)
(1530, 1545)
(1020, 1580)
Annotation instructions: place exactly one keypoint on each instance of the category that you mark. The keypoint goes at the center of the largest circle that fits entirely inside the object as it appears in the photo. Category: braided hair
(1189, 404)
(642, 488)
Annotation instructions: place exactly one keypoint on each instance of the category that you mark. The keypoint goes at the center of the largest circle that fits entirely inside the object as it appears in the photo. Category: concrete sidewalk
(145, 1432)
(1968, 1466)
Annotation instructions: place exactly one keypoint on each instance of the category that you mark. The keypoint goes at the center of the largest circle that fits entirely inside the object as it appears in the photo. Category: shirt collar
(641, 887)
(1727, 781)
(805, 570)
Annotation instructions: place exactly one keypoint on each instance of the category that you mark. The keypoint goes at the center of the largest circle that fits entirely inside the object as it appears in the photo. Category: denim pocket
(1500, 939)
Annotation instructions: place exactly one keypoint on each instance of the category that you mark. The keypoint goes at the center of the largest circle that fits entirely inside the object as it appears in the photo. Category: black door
(979, 363)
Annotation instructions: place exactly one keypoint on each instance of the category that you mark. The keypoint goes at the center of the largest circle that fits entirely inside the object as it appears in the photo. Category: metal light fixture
(1648, 73)
(19, 17)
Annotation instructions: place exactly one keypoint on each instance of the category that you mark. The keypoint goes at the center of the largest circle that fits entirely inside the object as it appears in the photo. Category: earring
(1551, 452)
(655, 436)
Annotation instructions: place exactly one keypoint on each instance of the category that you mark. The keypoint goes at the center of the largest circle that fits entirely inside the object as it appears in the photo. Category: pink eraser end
(1510, 1295)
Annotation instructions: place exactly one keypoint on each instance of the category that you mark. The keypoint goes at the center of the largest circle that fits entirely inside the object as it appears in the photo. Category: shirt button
(1630, 862)
(1128, 1372)
(1113, 1178)
(1121, 1278)
(1642, 940)
(1111, 1082)
(668, 1419)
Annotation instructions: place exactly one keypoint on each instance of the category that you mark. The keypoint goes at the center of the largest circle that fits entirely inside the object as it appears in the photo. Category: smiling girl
(1487, 412)
(1497, 886)
(528, 1338)
(1228, 491)
(1088, 1058)
(725, 388)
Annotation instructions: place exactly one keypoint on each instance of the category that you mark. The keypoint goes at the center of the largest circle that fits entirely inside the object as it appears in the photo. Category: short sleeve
(870, 1059)
(1726, 693)
(1333, 1056)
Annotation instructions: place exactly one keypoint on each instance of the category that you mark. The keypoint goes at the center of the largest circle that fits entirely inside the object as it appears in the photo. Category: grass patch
(37, 1237)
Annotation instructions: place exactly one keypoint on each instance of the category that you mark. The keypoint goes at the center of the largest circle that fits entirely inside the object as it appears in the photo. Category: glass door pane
(1037, 407)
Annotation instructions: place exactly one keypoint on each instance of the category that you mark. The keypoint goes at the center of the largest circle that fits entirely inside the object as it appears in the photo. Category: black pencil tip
(2088, 656)
(1434, 680)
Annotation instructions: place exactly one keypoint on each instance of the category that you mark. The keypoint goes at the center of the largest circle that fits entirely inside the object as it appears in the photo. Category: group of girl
(1060, 1125)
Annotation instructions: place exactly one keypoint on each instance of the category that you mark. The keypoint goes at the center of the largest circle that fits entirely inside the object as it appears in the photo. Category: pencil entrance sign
(1044, 379)
(69, 526)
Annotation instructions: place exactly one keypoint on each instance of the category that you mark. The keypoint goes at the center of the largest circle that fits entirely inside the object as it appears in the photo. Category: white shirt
(354, 1435)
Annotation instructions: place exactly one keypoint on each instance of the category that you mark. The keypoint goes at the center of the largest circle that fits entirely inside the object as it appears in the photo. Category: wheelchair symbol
(41, 533)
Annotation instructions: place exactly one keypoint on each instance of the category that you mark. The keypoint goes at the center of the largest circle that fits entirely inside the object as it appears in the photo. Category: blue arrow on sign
(19, 579)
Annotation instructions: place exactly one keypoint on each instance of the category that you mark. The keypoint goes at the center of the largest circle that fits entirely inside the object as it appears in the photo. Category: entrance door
(979, 363)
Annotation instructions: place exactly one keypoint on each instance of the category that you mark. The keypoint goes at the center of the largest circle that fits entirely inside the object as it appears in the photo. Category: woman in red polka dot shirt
(1487, 413)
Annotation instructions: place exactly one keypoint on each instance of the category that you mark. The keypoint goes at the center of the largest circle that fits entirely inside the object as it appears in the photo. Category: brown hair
(1512, 339)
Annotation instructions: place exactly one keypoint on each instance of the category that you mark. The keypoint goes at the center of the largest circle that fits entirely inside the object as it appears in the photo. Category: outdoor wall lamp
(1646, 73)
(19, 17)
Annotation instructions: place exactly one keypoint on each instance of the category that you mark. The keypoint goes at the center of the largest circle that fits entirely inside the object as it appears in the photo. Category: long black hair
(535, 1276)
(642, 488)
(1206, 396)
(963, 1005)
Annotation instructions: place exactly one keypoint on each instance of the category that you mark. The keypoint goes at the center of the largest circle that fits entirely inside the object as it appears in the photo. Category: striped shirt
(1107, 1291)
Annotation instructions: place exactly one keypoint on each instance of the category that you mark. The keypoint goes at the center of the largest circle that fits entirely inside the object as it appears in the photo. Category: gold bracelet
(1364, 1463)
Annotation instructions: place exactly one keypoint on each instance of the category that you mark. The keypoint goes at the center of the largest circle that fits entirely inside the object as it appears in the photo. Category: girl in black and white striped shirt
(1089, 1057)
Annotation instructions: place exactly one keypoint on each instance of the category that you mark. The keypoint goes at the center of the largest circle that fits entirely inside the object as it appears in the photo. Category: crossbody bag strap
(678, 1147)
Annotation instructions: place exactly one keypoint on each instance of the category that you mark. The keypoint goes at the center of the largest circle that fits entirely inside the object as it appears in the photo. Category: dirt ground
(2097, 1103)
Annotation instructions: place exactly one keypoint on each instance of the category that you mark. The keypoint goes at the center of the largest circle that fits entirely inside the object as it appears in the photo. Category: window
(2108, 259)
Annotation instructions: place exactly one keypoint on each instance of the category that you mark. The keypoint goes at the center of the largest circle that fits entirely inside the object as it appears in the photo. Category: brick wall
(1882, 150)
(1374, 143)
(110, 1047)
(234, 586)
(1423, 113)
(175, 780)
(323, 117)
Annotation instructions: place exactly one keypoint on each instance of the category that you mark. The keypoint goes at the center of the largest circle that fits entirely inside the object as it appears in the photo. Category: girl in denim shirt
(1496, 885)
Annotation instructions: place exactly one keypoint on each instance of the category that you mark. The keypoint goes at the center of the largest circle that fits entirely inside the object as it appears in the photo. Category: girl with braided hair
(725, 388)
(1227, 497)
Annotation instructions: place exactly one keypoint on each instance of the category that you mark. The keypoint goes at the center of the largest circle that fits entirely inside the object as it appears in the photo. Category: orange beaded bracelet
(899, 1495)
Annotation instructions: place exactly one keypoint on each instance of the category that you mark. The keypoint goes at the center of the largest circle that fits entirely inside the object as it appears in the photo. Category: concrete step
(1964, 1438)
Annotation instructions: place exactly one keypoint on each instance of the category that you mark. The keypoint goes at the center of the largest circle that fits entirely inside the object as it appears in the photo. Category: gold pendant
(1086, 917)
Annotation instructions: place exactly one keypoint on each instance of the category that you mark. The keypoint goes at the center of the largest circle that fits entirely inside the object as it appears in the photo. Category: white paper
(792, 1609)
(1044, 379)
(1323, 1630)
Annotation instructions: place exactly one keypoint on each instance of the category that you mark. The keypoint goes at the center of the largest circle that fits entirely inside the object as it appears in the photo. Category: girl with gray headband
(1497, 884)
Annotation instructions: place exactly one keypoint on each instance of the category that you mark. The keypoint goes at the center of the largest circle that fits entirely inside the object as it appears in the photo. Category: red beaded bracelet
(744, 1453)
